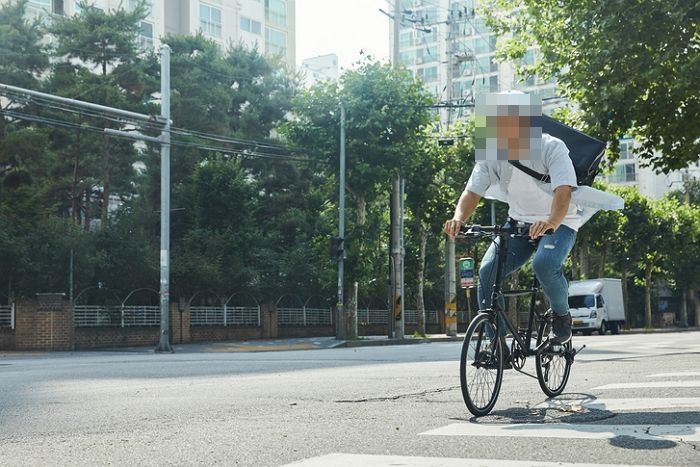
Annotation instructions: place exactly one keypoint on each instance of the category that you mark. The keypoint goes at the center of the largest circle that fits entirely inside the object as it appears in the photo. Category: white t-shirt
(528, 203)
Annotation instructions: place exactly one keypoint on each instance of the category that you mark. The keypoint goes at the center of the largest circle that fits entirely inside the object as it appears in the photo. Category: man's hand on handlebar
(540, 228)
(452, 227)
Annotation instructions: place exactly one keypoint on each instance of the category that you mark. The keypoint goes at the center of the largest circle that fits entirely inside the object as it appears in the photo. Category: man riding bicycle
(505, 134)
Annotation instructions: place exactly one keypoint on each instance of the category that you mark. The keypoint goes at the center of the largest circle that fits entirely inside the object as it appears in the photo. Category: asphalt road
(631, 399)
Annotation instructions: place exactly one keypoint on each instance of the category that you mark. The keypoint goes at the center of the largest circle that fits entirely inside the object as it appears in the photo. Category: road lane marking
(367, 460)
(624, 404)
(655, 384)
(570, 431)
(675, 375)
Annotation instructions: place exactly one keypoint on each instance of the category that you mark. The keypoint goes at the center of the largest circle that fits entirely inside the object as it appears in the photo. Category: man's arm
(560, 206)
(466, 206)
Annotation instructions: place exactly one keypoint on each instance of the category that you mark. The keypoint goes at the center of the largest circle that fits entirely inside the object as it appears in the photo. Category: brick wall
(7, 339)
(306, 331)
(100, 337)
(224, 333)
(43, 327)
(381, 329)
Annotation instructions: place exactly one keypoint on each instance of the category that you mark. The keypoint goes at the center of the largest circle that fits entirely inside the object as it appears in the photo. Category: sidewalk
(302, 343)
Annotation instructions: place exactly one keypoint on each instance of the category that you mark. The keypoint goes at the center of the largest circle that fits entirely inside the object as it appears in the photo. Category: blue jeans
(550, 253)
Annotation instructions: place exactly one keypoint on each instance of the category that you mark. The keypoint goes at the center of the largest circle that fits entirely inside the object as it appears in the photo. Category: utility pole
(397, 302)
(164, 344)
(451, 282)
(341, 229)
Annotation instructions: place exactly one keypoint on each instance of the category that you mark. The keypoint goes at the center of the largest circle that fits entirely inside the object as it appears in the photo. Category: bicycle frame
(500, 314)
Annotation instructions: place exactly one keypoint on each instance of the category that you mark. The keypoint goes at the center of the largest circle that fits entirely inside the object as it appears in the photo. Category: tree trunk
(420, 302)
(575, 265)
(625, 301)
(86, 219)
(647, 295)
(361, 210)
(74, 196)
(105, 179)
(684, 308)
(696, 301)
(584, 255)
(601, 266)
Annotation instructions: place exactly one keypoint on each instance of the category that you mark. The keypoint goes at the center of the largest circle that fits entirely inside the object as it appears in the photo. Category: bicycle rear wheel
(481, 365)
(554, 364)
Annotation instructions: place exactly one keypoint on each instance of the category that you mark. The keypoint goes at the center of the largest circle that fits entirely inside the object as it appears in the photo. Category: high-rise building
(629, 171)
(268, 25)
(322, 67)
(448, 45)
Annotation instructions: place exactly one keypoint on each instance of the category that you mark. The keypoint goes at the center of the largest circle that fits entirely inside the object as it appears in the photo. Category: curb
(383, 342)
(657, 330)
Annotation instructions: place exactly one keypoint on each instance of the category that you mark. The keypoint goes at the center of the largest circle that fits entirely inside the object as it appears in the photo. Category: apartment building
(449, 46)
(630, 172)
(268, 25)
(320, 68)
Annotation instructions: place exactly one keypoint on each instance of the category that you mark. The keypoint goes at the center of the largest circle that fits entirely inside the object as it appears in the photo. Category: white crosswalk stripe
(624, 404)
(653, 384)
(354, 460)
(571, 431)
(675, 375)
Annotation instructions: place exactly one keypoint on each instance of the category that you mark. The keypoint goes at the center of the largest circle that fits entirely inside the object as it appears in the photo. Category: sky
(343, 27)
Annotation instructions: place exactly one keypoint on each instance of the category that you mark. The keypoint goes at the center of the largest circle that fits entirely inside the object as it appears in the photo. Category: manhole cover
(564, 414)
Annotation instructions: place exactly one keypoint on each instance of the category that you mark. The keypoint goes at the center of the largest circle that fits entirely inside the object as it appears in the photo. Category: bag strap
(533, 173)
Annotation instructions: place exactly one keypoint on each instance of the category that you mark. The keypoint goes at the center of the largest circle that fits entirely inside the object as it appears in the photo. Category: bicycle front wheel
(554, 364)
(481, 365)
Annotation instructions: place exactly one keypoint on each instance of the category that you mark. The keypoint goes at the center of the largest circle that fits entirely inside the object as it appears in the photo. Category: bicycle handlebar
(517, 229)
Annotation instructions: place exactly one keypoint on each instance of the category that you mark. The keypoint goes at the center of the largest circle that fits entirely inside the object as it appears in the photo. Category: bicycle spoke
(480, 367)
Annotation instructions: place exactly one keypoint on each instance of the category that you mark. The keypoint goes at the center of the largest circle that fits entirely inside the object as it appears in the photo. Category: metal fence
(224, 316)
(7, 316)
(304, 316)
(431, 316)
(116, 315)
(368, 317)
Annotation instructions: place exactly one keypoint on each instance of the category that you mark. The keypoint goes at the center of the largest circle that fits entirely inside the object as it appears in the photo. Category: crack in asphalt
(399, 396)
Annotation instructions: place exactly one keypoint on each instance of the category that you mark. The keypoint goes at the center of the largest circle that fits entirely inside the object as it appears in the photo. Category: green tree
(22, 55)
(96, 58)
(683, 269)
(435, 177)
(630, 66)
(386, 111)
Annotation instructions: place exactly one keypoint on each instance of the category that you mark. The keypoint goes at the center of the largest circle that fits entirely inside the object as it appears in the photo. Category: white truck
(596, 305)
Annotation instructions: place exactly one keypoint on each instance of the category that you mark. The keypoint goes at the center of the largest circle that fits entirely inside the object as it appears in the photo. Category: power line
(247, 152)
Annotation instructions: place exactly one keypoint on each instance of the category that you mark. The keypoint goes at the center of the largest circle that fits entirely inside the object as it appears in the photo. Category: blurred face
(513, 134)
(504, 127)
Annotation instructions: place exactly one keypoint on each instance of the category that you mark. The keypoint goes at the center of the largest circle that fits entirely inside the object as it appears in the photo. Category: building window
(430, 74)
(37, 7)
(77, 9)
(626, 150)
(251, 25)
(210, 20)
(148, 4)
(146, 37)
(276, 12)
(623, 173)
(276, 41)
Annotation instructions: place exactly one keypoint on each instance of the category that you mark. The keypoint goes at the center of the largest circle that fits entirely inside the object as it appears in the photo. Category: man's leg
(548, 266)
